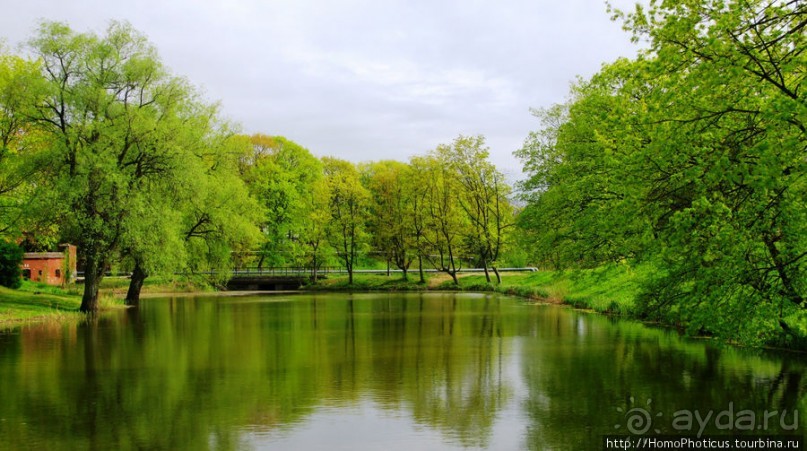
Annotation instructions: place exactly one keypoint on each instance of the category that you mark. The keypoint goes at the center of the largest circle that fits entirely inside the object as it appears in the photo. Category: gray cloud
(362, 79)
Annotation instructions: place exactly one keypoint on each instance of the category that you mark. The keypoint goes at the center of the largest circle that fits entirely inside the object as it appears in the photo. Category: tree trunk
(788, 289)
(138, 277)
(314, 272)
(93, 274)
(498, 276)
(487, 273)
(454, 276)
(420, 269)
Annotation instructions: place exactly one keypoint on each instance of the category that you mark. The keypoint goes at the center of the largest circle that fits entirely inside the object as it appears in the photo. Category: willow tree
(222, 219)
(153, 241)
(110, 111)
(21, 146)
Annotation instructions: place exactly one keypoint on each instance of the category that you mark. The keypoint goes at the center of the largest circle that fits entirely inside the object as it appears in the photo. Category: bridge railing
(296, 271)
(292, 271)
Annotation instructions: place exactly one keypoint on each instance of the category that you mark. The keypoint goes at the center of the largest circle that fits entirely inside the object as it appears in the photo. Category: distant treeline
(103, 147)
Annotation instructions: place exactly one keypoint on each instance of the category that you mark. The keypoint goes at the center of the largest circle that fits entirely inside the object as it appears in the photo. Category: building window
(58, 273)
(26, 274)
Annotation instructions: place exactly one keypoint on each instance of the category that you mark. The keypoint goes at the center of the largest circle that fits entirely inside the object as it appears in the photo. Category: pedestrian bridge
(270, 279)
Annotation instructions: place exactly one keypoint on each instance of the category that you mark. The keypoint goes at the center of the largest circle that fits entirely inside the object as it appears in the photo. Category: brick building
(52, 268)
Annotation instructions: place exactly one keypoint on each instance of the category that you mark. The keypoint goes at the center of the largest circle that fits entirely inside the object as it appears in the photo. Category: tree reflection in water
(479, 371)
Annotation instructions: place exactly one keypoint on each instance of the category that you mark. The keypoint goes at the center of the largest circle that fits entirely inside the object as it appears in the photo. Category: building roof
(41, 255)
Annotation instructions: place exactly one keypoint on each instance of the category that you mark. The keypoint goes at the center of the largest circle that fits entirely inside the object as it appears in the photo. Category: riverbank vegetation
(670, 187)
(690, 159)
(611, 289)
(35, 302)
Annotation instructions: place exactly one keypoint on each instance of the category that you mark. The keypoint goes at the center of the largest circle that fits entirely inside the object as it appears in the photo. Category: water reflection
(364, 371)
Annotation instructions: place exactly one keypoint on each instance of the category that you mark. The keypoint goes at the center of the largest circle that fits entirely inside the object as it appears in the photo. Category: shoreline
(609, 291)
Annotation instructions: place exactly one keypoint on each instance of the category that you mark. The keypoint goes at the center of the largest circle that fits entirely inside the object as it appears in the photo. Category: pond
(379, 371)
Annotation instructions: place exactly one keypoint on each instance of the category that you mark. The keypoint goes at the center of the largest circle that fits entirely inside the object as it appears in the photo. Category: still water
(377, 371)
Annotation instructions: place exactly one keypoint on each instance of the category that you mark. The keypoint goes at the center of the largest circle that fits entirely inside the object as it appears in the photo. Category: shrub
(10, 260)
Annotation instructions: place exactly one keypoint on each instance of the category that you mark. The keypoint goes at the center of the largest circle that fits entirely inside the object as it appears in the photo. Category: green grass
(41, 288)
(609, 289)
(36, 302)
(29, 305)
(156, 284)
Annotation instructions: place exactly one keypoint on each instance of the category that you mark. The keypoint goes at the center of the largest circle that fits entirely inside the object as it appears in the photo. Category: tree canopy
(692, 158)
(115, 144)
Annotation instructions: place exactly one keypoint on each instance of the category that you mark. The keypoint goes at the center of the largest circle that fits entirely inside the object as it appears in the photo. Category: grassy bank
(610, 289)
(35, 302)
(118, 286)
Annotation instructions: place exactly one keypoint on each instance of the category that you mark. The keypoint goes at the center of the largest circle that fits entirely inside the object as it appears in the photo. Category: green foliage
(21, 147)
(280, 174)
(441, 220)
(348, 204)
(219, 216)
(10, 261)
(483, 199)
(691, 157)
(391, 221)
(110, 114)
(101, 146)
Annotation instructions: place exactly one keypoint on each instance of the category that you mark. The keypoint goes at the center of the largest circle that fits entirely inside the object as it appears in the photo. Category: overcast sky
(362, 79)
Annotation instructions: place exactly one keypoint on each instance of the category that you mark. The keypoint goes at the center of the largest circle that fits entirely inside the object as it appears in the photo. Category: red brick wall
(44, 270)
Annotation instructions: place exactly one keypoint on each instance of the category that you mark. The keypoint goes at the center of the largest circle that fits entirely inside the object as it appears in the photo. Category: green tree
(416, 183)
(348, 202)
(729, 97)
(586, 176)
(315, 226)
(691, 157)
(444, 223)
(21, 146)
(220, 217)
(121, 132)
(483, 200)
(390, 222)
(280, 173)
